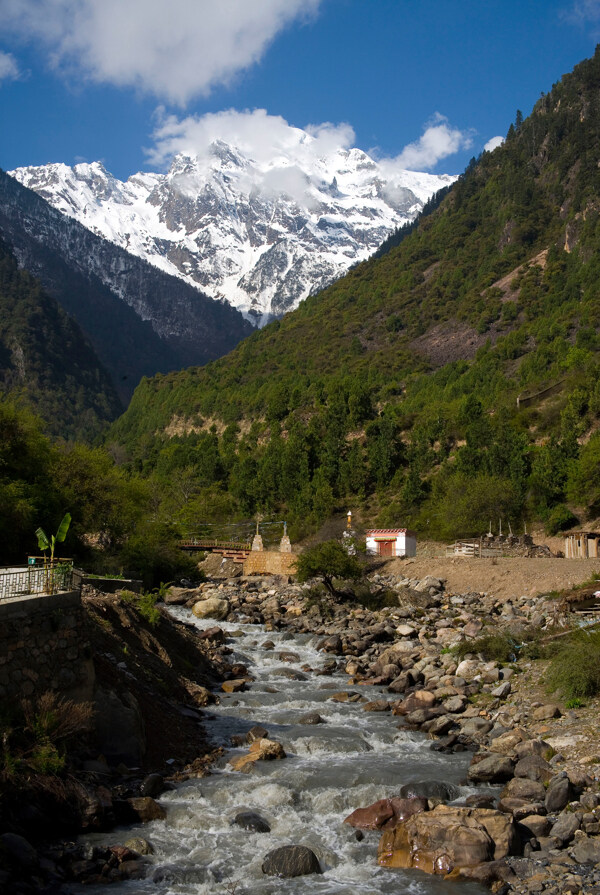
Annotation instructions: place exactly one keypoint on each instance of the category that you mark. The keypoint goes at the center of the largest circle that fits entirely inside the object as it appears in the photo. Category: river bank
(494, 721)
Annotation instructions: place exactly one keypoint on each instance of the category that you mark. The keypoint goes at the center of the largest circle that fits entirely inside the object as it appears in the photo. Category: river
(350, 761)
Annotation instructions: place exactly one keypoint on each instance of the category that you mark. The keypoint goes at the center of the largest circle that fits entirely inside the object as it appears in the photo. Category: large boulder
(212, 607)
(491, 768)
(385, 812)
(291, 860)
(448, 838)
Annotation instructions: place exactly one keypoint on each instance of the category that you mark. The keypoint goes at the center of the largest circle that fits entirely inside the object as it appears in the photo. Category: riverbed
(351, 760)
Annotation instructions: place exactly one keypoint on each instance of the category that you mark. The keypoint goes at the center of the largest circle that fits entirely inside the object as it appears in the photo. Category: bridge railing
(21, 581)
(211, 543)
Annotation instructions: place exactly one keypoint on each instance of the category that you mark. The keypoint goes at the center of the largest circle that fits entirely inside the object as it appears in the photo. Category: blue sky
(128, 82)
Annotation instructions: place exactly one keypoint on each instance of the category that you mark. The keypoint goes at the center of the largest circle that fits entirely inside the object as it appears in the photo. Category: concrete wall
(43, 646)
(269, 562)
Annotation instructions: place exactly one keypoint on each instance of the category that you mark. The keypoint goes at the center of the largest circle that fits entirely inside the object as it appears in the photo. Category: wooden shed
(391, 542)
(582, 545)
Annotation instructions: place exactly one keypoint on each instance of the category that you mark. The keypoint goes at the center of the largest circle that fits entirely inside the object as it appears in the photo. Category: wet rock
(256, 733)
(311, 718)
(291, 860)
(233, 686)
(152, 785)
(145, 808)
(260, 750)
(429, 789)
(446, 838)
(378, 705)
(140, 846)
(213, 607)
(385, 812)
(214, 635)
(251, 821)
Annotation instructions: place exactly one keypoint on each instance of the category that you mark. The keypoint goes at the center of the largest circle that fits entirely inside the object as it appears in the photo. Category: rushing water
(352, 760)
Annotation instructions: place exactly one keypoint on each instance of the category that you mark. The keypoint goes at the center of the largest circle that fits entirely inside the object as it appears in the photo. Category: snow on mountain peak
(260, 232)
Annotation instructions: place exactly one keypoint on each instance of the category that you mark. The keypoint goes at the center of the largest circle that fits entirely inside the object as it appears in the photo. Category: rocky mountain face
(139, 319)
(260, 235)
(46, 360)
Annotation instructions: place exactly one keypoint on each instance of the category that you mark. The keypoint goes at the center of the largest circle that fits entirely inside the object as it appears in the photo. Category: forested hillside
(47, 361)
(396, 389)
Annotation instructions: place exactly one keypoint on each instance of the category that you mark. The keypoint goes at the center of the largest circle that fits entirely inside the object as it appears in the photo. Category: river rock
(213, 607)
(291, 860)
(147, 809)
(140, 846)
(546, 712)
(19, 851)
(429, 789)
(446, 838)
(176, 596)
(587, 850)
(491, 769)
(559, 794)
(234, 686)
(535, 825)
(311, 718)
(384, 811)
(152, 785)
(534, 768)
(565, 827)
(256, 733)
(260, 750)
(522, 788)
(251, 821)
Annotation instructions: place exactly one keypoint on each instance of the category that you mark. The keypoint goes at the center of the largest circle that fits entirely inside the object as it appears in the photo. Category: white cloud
(9, 70)
(439, 140)
(175, 49)
(257, 134)
(583, 11)
(493, 143)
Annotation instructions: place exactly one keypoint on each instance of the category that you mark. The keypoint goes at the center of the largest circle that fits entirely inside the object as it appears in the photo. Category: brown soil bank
(505, 577)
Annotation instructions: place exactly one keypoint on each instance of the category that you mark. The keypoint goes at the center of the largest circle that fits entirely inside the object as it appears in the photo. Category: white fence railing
(35, 579)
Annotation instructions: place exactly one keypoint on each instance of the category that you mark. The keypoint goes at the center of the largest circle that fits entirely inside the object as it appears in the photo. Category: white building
(391, 542)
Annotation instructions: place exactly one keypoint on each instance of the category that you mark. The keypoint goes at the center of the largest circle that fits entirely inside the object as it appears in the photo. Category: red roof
(389, 531)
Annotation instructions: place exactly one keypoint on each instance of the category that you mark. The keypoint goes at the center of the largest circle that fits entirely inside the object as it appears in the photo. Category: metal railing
(35, 579)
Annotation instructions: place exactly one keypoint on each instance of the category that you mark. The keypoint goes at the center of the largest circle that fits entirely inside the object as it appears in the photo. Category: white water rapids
(352, 760)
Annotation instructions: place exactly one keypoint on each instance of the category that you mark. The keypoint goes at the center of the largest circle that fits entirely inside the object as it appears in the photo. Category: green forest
(451, 380)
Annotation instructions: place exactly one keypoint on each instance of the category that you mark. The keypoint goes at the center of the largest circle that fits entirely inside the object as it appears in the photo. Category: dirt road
(504, 577)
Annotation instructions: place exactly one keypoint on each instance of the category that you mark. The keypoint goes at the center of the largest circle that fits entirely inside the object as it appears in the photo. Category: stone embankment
(535, 825)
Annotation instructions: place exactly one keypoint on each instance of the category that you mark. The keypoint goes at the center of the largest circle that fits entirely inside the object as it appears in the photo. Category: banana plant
(49, 543)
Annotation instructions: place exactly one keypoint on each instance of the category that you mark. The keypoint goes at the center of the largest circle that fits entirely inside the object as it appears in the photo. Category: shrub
(574, 670)
(559, 519)
(492, 647)
(328, 561)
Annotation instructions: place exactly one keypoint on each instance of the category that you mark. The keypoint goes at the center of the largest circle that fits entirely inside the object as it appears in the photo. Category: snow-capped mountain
(260, 235)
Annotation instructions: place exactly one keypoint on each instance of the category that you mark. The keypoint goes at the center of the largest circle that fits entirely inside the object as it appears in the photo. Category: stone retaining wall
(270, 562)
(44, 646)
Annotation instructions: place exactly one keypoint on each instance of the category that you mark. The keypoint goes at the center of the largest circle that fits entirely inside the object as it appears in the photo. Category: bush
(328, 561)
(559, 519)
(492, 647)
(575, 668)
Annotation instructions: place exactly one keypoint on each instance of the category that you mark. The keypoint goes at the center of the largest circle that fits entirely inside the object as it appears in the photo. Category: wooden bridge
(235, 550)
